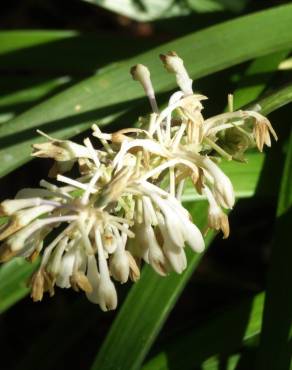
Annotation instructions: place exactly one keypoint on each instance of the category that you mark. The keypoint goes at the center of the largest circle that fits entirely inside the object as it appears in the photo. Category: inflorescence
(125, 206)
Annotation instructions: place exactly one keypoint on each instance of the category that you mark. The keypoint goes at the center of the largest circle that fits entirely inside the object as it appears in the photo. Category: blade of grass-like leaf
(14, 40)
(77, 53)
(256, 77)
(275, 345)
(26, 91)
(237, 325)
(276, 100)
(107, 95)
(13, 278)
(215, 363)
(152, 298)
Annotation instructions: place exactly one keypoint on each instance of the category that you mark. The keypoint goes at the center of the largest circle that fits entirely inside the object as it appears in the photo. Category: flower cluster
(125, 205)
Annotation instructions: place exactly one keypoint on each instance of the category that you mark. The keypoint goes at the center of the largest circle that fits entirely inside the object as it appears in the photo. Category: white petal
(194, 237)
(223, 188)
(107, 294)
(171, 220)
(178, 261)
(156, 257)
(119, 266)
(93, 277)
(66, 269)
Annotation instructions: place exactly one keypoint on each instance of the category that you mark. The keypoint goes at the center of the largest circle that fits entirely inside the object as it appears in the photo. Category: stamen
(74, 183)
(90, 187)
(92, 152)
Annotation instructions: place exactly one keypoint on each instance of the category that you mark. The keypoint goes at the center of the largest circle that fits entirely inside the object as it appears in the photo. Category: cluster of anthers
(125, 206)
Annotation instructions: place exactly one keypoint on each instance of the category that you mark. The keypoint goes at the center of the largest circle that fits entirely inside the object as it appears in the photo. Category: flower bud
(177, 259)
(174, 64)
(141, 73)
(107, 295)
(119, 266)
(10, 206)
(37, 284)
(78, 280)
(134, 268)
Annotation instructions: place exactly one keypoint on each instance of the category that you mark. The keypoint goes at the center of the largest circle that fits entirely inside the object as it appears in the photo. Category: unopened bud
(60, 150)
(107, 295)
(79, 281)
(174, 64)
(119, 266)
(37, 284)
(141, 74)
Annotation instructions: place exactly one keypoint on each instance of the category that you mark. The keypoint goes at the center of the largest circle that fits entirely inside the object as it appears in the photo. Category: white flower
(217, 219)
(222, 185)
(262, 130)
(60, 150)
(119, 262)
(124, 206)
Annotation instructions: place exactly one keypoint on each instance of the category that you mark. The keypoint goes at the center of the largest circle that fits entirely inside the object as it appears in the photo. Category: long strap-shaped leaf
(150, 301)
(13, 282)
(275, 346)
(108, 94)
(77, 53)
(222, 334)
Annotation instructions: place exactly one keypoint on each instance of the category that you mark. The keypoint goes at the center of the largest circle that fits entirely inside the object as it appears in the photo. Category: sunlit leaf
(222, 334)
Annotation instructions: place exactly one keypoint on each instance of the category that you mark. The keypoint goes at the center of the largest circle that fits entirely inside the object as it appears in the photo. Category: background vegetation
(65, 65)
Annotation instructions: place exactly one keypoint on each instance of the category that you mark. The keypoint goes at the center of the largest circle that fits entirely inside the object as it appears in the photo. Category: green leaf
(26, 91)
(78, 54)
(275, 346)
(11, 41)
(13, 278)
(111, 93)
(152, 298)
(256, 77)
(36, 80)
(276, 100)
(222, 334)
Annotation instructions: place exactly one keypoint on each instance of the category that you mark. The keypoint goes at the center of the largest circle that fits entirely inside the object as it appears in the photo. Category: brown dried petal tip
(80, 281)
(6, 253)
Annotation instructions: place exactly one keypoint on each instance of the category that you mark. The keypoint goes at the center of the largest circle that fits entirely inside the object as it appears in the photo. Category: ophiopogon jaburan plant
(125, 206)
